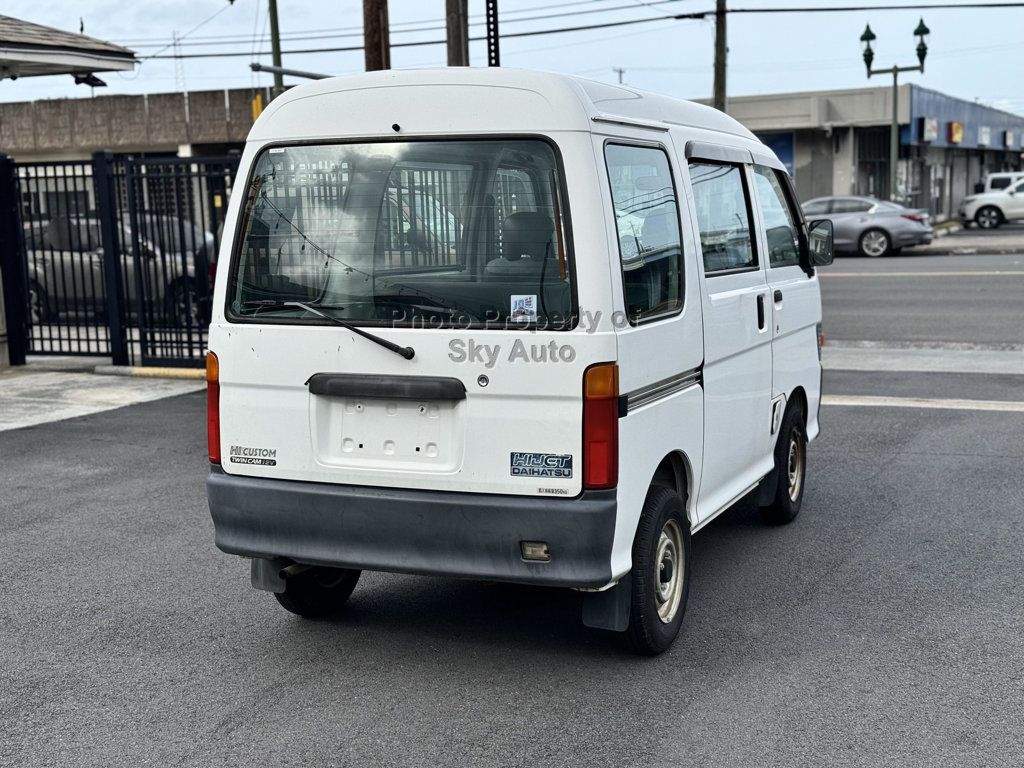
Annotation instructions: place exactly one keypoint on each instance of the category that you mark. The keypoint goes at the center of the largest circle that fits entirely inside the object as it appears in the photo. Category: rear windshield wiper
(407, 352)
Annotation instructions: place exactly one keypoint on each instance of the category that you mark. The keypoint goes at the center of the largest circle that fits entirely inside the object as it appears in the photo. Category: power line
(328, 35)
(419, 43)
(394, 25)
(694, 15)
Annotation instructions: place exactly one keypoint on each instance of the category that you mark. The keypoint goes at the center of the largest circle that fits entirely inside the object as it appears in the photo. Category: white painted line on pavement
(923, 402)
(966, 273)
(923, 360)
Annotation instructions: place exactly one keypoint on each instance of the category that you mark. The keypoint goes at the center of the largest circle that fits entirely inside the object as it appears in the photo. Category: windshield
(439, 233)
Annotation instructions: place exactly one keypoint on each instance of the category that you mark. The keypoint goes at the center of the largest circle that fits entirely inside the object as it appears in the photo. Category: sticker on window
(540, 464)
(524, 308)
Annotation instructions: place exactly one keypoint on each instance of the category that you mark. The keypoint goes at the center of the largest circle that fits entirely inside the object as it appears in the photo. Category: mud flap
(609, 609)
(266, 574)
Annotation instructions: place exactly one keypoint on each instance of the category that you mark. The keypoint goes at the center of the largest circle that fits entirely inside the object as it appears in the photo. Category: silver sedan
(871, 227)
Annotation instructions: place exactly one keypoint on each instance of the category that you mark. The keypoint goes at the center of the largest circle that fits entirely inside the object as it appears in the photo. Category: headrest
(527, 233)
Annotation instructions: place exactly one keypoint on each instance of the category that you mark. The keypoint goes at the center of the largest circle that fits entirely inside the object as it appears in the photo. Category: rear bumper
(913, 238)
(408, 531)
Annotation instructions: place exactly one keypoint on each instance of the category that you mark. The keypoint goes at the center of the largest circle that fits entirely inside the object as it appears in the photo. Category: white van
(506, 325)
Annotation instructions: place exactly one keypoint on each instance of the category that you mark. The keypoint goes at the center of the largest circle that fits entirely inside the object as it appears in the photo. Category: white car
(991, 209)
(612, 338)
(996, 182)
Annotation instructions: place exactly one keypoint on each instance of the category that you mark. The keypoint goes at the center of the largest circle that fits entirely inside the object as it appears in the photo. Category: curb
(942, 230)
(152, 372)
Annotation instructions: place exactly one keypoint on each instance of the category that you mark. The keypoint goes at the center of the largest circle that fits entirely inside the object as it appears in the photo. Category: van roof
(467, 100)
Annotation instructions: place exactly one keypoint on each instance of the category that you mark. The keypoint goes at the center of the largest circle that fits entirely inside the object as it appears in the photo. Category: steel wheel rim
(795, 465)
(874, 243)
(987, 218)
(669, 570)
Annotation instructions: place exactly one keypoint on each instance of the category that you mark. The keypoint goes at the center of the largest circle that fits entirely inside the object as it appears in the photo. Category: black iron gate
(114, 256)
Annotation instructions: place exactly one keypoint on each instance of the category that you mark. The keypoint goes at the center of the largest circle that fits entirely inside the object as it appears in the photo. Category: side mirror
(819, 242)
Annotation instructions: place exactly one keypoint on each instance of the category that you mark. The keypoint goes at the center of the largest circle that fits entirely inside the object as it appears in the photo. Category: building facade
(837, 142)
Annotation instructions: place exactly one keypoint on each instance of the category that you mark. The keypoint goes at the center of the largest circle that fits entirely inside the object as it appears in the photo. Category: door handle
(777, 296)
(760, 311)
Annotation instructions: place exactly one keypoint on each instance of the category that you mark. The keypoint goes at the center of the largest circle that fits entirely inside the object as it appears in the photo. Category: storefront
(837, 142)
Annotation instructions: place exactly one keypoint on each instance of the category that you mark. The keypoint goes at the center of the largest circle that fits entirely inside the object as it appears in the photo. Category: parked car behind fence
(65, 268)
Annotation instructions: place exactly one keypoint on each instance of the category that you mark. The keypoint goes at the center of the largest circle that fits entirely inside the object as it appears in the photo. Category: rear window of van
(467, 233)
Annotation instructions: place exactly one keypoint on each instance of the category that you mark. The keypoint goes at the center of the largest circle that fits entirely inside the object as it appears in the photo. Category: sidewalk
(31, 395)
(953, 240)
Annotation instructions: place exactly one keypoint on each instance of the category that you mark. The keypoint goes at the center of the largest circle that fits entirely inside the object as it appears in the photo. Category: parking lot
(883, 627)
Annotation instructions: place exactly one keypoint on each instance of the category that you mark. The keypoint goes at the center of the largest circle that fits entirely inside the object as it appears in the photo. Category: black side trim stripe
(662, 389)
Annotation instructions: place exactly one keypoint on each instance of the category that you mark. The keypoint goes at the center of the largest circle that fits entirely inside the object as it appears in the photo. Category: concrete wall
(819, 109)
(68, 129)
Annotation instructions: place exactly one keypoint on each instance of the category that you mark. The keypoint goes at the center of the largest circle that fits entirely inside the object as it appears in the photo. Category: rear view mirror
(819, 241)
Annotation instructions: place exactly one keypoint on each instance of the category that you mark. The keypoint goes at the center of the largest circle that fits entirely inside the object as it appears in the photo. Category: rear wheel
(38, 304)
(660, 579)
(318, 592)
(874, 243)
(182, 304)
(790, 468)
(988, 217)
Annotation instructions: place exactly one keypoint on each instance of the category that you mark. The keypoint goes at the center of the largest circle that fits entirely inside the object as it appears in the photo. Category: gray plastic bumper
(409, 531)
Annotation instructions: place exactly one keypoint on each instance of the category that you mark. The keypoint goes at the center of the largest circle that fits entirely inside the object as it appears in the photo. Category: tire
(790, 468)
(182, 304)
(38, 304)
(874, 243)
(318, 592)
(657, 604)
(988, 217)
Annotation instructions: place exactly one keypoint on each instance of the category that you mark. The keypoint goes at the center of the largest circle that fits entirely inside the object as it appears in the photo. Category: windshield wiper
(407, 352)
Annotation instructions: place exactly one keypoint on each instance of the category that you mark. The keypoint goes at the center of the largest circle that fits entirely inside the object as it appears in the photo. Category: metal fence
(113, 256)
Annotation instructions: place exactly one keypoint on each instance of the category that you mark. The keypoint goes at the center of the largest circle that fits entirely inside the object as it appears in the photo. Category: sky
(974, 54)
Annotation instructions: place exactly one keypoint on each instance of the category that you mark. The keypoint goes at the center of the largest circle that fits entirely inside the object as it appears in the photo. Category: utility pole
(493, 52)
(376, 40)
(275, 50)
(457, 18)
(620, 71)
(721, 50)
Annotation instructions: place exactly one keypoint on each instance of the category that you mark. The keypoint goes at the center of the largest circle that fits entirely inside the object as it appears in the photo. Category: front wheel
(660, 579)
(790, 468)
(988, 217)
(318, 592)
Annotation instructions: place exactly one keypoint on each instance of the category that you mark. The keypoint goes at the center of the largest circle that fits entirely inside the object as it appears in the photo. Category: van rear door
(456, 249)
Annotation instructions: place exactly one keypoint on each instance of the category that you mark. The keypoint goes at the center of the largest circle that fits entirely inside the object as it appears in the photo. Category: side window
(851, 205)
(816, 207)
(999, 182)
(647, 226)
(720, 199)
(780, 225)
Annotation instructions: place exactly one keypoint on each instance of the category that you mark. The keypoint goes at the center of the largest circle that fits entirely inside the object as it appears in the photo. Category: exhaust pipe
(293, 570)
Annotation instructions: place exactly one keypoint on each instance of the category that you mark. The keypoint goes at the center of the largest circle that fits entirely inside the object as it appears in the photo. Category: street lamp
(922, 32)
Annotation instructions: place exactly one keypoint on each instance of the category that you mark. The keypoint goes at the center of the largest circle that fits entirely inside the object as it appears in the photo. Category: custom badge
(524, 308)
(540, 464)
(244, 454)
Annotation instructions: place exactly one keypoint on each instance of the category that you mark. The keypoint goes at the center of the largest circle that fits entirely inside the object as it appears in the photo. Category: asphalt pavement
(883, 627)
(973, 299)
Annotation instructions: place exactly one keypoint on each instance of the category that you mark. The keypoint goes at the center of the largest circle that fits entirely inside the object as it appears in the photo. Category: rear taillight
(601, 426)
(213, 407)
(821, 339)
(915, 217)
